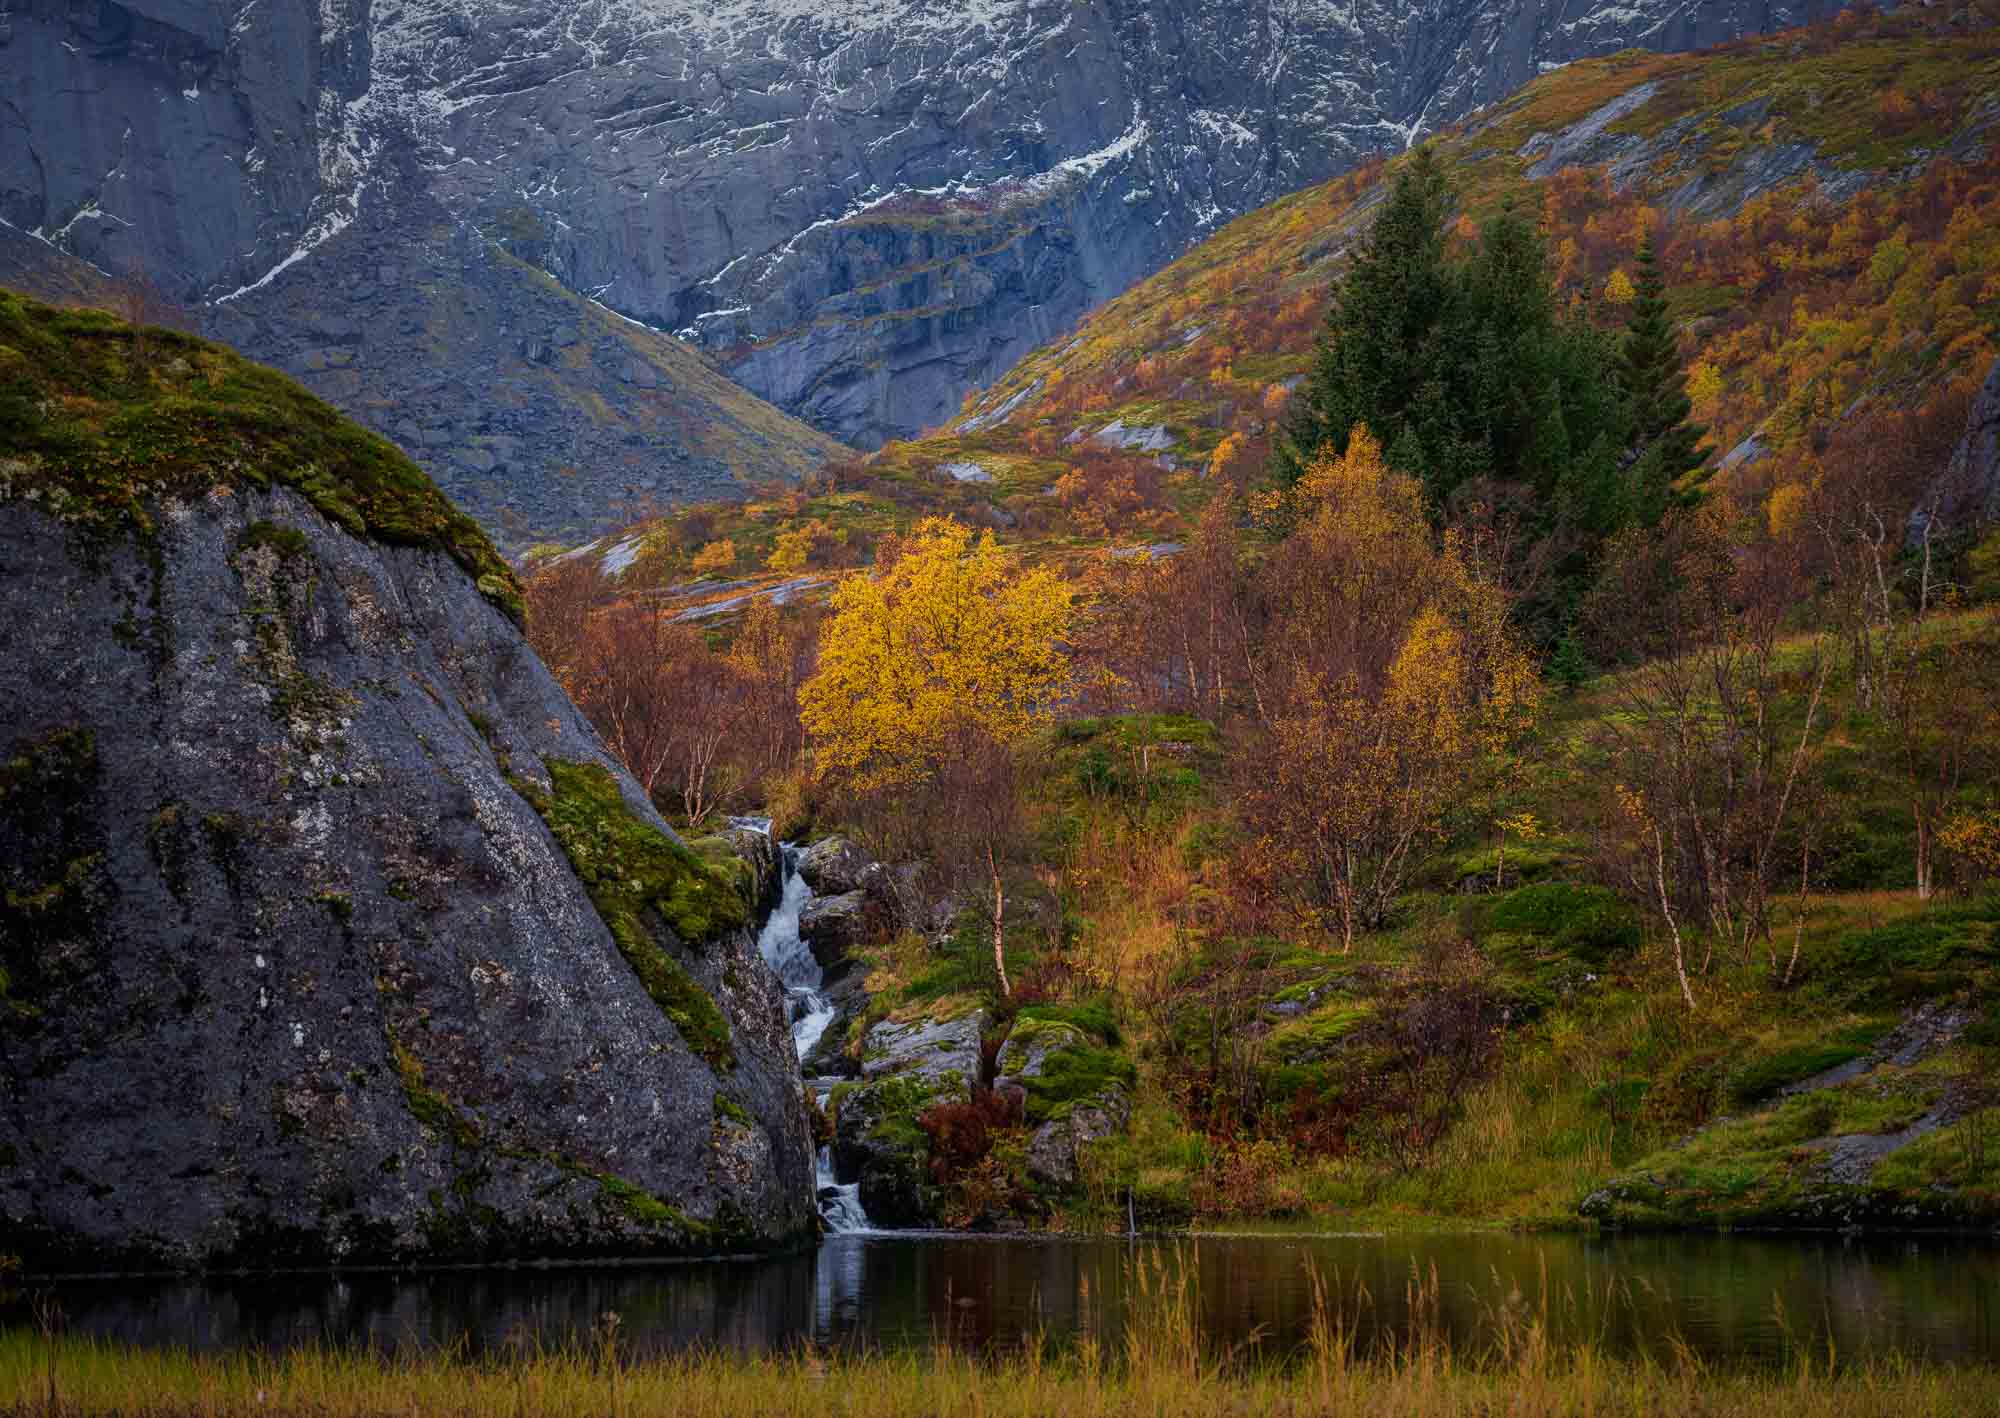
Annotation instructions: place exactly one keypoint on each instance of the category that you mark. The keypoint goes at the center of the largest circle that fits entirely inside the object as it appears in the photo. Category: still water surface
(1729, 1298)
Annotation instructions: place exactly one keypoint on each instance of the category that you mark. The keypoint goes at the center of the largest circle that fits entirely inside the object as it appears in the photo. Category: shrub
(961, 1134)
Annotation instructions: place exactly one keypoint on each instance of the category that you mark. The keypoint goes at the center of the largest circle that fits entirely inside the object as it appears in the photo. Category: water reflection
(1727, 1298)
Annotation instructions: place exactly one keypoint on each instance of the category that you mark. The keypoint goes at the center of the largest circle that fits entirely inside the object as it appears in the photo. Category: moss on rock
(631, 868)
(427, 1105)
(52, 875)
(98, 424)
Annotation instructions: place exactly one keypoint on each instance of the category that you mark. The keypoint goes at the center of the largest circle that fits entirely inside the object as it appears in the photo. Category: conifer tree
(1379, 348)
(1671, 463)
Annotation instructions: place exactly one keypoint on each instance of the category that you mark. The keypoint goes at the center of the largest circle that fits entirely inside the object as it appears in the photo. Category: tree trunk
(999, 919)
(1667, 910)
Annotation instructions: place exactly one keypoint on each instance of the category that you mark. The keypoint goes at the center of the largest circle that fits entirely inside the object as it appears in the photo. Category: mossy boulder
(316, 894)
(878, 1143)
(1073, 1091)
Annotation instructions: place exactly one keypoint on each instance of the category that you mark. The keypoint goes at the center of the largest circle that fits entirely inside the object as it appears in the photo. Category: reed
(1162, 1367)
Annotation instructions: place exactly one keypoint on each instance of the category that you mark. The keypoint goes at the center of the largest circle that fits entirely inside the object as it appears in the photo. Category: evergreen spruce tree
(1380, 345)
(1671, 465)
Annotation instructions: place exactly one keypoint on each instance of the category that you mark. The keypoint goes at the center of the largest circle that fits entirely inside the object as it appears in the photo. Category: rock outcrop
(860, 210)
(907, 1067)
(330, 932)
(1071, 1091)
(1966, 496)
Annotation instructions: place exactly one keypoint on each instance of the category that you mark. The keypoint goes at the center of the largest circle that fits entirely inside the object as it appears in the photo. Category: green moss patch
(1094, 1017)
(643, 1207)
(51, 863)
(427, 1105)
(1072, 1076)
(632, 869)
(98, 420)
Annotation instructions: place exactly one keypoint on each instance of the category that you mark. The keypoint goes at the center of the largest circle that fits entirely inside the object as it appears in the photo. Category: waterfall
(811, 1012)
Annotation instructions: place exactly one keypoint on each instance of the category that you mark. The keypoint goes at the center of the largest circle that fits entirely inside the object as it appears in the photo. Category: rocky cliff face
(1966, 496)
(330, 932)
(862, 209)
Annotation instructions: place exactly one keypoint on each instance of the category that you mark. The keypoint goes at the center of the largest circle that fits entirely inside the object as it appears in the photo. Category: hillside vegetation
(1579, 816)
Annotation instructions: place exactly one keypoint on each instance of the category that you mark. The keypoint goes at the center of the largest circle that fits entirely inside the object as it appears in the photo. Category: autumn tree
(714, 558)
(1178, 632)
(1708, 758)
(664, 702)
(1391, 673)
(951, 644)
(772, 655)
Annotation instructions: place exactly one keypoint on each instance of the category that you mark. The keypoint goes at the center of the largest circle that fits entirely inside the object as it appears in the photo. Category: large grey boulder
(1057, 1145)
(1072, 1090)
(834, 866)
(832, 926)
(299, 965)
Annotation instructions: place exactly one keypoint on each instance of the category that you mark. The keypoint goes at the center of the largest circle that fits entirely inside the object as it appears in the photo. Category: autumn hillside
(1828, 205)
(1473, 697)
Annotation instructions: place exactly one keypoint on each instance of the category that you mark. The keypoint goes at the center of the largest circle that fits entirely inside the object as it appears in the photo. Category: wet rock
(833, 926)
(879, 1146)
(767, 873)
(834, 866)
(928, 1047)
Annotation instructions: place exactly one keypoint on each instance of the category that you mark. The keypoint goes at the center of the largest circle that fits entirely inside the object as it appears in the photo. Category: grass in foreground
(1161, 1367)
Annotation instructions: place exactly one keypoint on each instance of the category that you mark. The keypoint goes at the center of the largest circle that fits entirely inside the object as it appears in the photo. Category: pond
(1727, 1298)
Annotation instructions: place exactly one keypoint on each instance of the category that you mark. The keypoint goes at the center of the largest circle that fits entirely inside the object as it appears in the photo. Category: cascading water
(811, 1013)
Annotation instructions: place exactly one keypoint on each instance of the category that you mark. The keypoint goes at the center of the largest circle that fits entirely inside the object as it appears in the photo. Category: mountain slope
(1826, 202)
(864, 210)
(329, 931)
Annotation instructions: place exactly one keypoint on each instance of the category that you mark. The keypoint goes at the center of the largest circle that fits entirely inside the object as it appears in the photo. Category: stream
(811, 1013)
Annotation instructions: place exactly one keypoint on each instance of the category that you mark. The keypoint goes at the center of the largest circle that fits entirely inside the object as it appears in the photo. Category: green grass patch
(1760, 1078)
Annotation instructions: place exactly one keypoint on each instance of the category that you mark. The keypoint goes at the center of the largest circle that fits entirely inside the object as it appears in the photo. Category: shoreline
(1247, 1232)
